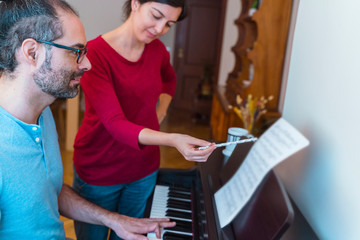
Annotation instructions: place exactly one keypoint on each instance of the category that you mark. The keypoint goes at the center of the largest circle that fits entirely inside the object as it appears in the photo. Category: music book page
(276, 144)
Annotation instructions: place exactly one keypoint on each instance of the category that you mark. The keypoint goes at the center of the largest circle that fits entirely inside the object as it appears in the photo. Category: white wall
(99, 16)
(229, 40)
(322, 100)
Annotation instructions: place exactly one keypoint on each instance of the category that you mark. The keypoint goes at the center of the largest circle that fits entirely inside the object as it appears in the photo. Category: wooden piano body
(267, 215)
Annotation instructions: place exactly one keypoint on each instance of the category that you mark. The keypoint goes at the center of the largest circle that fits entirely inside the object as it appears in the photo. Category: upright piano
(187, 197)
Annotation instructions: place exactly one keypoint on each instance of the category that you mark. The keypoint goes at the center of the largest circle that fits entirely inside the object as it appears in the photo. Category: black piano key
(172, 238)
(180, 229)
(186, 192)
(174, 213)
(178, 204)
(179, 189)
(179, 201)
(181, 223)
(179, 195)
(176, 236)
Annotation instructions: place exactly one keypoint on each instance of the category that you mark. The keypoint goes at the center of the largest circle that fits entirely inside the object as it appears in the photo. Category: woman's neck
(124, 41)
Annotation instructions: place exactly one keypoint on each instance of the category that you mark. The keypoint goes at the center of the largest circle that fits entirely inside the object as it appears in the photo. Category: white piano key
(159, 208)
(152, 236)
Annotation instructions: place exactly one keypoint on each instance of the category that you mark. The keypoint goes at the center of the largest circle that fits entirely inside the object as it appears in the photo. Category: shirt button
(37, 139)
(34, 128)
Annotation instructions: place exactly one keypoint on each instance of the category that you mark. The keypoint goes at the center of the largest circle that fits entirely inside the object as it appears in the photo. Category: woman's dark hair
(173, 3)
(22, 19)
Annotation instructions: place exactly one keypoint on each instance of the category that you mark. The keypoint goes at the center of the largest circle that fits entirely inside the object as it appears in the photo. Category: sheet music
(279, 142)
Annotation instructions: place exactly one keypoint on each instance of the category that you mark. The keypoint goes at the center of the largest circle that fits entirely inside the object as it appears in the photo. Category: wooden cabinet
(259, 60)
(222, 117)
(219, 118)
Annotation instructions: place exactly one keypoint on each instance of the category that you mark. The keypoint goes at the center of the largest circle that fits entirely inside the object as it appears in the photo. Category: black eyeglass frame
(80, 52)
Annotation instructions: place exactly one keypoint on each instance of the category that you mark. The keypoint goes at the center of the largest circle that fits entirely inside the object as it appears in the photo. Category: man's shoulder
(6, 120)
(47, 112)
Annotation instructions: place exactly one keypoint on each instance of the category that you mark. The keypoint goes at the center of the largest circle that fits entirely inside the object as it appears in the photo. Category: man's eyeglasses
(80, 52)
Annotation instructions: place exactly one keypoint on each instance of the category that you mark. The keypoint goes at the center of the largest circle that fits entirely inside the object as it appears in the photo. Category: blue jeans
(127, 199)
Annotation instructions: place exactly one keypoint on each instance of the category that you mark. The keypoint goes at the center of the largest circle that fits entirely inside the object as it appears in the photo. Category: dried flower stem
(250, 109)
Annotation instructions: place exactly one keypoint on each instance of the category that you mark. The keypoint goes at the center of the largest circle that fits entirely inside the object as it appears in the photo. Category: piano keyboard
(173, 203)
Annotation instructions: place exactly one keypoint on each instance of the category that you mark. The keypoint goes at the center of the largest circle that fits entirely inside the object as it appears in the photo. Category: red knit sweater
(120, 100)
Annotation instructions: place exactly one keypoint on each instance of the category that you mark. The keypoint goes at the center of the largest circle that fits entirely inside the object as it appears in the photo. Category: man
(42, 57)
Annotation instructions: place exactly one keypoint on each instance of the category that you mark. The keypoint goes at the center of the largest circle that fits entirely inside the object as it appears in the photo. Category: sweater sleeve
(168, 75)
(100, 94)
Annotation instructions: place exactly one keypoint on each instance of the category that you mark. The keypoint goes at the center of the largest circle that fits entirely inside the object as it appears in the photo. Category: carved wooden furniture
(259, 59)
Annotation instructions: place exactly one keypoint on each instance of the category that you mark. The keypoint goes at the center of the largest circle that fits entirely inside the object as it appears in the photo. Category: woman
(127, 93)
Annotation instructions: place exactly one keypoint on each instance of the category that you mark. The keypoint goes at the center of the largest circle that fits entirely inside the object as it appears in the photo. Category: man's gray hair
(23, 19)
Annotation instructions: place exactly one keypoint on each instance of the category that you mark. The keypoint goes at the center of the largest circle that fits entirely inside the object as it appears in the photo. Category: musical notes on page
(280, 141)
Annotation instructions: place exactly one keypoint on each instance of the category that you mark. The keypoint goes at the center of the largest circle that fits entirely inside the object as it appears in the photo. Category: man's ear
(29, 50)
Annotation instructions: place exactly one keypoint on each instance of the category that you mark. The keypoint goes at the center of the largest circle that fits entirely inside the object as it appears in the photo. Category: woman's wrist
(151, 137)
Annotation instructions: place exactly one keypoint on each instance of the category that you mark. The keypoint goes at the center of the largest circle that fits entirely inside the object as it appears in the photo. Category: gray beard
(56, 83)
